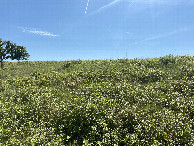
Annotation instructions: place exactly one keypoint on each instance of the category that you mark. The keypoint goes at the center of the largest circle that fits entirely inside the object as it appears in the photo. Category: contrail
(106, 6)
(163, 35)
(87, 6)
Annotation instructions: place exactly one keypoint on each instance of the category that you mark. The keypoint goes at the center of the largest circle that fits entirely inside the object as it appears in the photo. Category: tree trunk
(1, 61)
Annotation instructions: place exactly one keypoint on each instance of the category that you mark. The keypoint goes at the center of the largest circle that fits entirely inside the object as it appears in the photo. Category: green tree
(19, 53)
(11, 51)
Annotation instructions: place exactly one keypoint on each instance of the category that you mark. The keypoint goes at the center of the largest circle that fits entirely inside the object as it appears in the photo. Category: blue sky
(99, 29)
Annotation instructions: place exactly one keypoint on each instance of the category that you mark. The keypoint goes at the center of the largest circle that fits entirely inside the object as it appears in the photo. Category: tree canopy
(11, 51)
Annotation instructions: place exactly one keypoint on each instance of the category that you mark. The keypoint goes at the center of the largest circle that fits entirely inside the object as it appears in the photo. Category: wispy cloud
(106, 6)
(129, 33)
(163, 35)
(36, 31)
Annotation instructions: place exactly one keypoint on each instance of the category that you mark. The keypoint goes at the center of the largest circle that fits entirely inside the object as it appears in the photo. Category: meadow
(98, 102)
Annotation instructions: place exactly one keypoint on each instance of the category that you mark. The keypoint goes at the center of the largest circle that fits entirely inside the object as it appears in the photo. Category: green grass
(98, 102)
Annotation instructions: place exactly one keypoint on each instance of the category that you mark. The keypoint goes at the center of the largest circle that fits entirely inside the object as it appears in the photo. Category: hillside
(99, 102)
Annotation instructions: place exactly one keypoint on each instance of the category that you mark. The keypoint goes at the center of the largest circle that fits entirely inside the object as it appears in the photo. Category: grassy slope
(124, 101)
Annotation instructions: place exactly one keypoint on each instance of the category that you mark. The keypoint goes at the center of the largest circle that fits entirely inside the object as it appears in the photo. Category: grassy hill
(98, 102)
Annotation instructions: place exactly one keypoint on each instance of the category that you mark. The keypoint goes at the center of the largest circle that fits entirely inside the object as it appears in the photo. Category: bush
(99, 102)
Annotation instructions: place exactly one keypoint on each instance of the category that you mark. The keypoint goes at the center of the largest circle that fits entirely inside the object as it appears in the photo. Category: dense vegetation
(98, 102)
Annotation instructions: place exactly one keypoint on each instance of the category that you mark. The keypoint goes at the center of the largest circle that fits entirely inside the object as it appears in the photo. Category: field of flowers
(98, 102)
